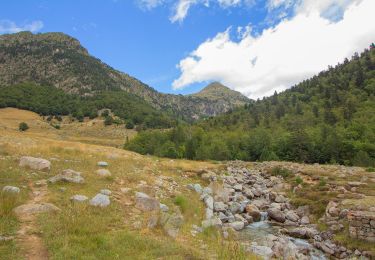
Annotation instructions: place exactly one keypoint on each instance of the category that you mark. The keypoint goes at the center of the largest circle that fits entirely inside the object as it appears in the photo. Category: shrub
(23, 127)
(108, 121)
(279, 171)
(299, 180)
(370, 169)
(129, 125)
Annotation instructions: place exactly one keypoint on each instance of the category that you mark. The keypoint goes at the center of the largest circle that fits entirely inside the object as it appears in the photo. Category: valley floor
(69, 230)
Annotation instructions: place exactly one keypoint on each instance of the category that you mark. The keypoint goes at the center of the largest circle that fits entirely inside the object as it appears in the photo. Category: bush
(108, 121)
(129, 125)
(279, 171)
(23, 127)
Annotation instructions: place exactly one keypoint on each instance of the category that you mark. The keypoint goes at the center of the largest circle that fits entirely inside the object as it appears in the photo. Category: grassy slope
(81, 232)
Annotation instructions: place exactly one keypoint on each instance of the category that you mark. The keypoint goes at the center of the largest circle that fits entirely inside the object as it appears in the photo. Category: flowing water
(260, 232)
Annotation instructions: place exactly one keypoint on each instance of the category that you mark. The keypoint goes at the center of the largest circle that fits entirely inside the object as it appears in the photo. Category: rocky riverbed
(251, 205)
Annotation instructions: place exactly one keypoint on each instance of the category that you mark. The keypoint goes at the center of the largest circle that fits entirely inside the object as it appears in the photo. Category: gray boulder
(145, 202)
(220, 206)
(11, 189)
(237, 225)
(292, 216)
(213, 222)
(172, 223)
(67, 176)
(29, 209)
(100, 200)
(33, 163)
(276, 214)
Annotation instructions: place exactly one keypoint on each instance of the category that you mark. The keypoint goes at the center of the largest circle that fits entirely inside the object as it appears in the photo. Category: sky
(179, 46)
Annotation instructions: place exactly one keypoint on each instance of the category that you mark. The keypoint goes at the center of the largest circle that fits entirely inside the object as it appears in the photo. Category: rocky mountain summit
(56, 59)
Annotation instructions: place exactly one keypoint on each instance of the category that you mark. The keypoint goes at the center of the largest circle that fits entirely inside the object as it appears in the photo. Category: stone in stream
(254, 212)
(103, 173)
(35, 163)
(276, 214)
(237, 225)
(292, 216)
(67, 176)
(235, 208)
(145, 202)
(100, 200)
(11, 189)
(79, 198)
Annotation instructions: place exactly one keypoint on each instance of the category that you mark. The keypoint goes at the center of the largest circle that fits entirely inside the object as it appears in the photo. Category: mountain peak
(217, 91)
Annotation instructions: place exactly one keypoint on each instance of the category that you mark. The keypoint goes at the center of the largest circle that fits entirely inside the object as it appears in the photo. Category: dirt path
(28, 236)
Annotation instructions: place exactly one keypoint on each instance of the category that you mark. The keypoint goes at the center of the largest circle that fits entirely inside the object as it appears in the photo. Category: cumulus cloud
(7, 26)
(283, 55)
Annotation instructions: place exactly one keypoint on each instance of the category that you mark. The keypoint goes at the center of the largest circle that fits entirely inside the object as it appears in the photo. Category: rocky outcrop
(67, 176)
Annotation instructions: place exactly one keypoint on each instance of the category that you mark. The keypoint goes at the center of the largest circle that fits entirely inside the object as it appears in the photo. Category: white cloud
(181, 10)
(7, 26)
(149, 4)
(283, 55)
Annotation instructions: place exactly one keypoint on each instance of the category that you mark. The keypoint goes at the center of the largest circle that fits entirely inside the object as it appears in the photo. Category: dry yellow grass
(109, 233)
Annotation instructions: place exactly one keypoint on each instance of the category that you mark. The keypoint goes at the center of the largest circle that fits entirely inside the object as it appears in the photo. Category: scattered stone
(220, 206)
(213, 222)
(79, 198)
(237, 225)
(164, 207)
(276, 214)
(67, 176)
(254, 212)
(11, 189)
(102, 164)
(105, 192)
(100, 200)
(103, 173)
(35, 163)
(145, 202)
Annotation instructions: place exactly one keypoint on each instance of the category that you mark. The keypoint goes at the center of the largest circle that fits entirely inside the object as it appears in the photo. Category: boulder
(292, 216)
(254, 212)
(145, 202)
(100, 200)
(305, 220)
(11, 189)
(237, 225)
(280, 199)
(33, 163)
(263, 251)
(220, 206)
(276, 214)
(79, 198)
(172, 223)
(28, 209)
(103, 173)
(235, 207)
(209, 201)
(213, 222)
(67, 176)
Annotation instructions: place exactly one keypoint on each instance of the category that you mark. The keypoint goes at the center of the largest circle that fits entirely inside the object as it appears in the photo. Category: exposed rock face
(33, 163)
(362, 225)
(67, 176)
(145, 202)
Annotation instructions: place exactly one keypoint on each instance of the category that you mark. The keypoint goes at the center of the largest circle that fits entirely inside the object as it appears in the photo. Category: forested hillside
(47, 100)
(329, 118)
(59, 60)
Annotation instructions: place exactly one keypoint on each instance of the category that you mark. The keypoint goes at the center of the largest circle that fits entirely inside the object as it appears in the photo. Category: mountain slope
(56, 59)
(329, 118)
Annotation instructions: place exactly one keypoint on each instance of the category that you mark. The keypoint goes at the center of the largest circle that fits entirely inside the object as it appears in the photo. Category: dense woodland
(329, 118)
(47, 100)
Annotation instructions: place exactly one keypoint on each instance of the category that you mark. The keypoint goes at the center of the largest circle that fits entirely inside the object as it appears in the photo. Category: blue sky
(141, 38)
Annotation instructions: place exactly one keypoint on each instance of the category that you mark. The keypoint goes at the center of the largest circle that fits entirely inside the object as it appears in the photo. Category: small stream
(262, 233)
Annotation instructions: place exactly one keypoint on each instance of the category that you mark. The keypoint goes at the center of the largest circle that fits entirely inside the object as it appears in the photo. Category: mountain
(329, 118)
(56, 59)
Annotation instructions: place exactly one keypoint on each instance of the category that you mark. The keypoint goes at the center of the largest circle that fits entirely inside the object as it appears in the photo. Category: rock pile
(362, 225)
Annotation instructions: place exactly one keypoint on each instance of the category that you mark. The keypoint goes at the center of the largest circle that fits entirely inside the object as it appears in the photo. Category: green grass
(279, 171)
